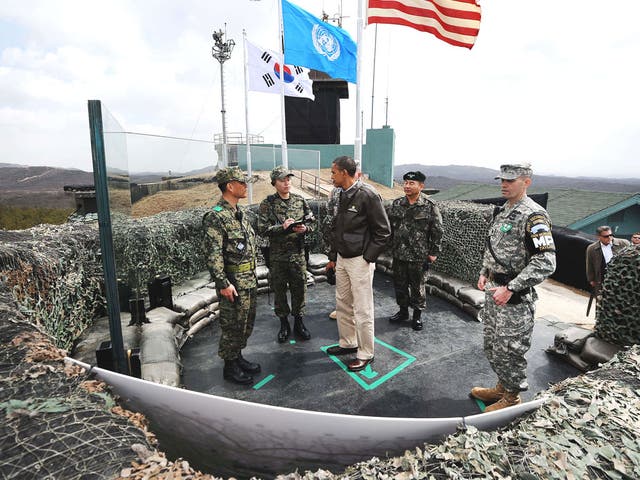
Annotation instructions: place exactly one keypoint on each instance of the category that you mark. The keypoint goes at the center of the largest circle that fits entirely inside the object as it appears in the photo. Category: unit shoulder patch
(538, 230)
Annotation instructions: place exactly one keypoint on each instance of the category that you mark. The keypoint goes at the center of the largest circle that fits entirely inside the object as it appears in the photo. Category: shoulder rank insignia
(217, 208)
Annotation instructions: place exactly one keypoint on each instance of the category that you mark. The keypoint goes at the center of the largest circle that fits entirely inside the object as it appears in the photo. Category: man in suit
(599, 254)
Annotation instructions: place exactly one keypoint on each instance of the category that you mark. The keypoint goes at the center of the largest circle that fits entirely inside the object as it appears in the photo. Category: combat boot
(401, 316)
(247, 366)
(299, 329)
(509, 399)
(285, 330)
(234, 373)
(488, 395)
(416, 322)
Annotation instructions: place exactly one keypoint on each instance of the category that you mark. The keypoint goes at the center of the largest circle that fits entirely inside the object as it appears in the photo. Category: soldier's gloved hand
(426, 265)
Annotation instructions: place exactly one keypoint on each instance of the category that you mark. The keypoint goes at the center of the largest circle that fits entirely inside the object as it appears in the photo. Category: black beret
(418, 176)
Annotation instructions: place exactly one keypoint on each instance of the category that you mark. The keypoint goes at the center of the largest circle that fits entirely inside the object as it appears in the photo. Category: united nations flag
(312, 43)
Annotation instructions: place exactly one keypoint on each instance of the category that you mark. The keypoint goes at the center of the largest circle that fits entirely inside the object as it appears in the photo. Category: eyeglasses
(607, 236)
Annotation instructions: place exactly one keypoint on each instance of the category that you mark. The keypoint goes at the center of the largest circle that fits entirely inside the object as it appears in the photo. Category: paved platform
(424, 374)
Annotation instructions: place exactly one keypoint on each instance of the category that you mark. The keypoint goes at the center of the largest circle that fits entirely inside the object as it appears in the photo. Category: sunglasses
(607, 236)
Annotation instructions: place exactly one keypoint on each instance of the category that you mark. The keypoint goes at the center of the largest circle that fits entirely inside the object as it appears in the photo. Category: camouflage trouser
(291, 274)
(408, 280)
(236, 323)
(507, 337)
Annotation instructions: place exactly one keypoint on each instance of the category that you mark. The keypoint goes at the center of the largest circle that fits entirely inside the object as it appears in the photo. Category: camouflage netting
(465, 231)
(168, 243)
(618, 313)
(56, 421)
(55, 274)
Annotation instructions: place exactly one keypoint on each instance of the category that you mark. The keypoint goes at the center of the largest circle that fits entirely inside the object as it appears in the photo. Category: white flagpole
(246, 112)
(357, 144)
(285, 159)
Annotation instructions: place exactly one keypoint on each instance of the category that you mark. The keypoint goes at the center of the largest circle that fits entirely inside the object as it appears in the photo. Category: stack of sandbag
(316, 267)
(159, 352)
(455, 291)
(199, 307)
(384, 263)
(262, 274)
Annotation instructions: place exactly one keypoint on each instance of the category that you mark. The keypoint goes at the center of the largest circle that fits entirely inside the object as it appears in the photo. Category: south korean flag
(266, 74)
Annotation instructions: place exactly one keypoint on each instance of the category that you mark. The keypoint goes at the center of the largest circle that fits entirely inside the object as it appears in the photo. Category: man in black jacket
(358, 234)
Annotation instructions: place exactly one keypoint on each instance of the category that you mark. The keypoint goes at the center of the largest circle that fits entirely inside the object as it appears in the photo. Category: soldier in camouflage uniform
(230, 244)
(520, 254)
(284, 218)
(416, 229)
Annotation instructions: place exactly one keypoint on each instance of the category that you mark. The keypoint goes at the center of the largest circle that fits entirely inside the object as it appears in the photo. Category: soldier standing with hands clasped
(416, 237)
(230, 245)
(520, 254)
(284, 218)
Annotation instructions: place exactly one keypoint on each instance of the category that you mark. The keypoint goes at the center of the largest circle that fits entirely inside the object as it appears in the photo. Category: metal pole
(373, 81)
(221, 51)
(225, 159)
(357, 144)
(285, 155)
(246, 113)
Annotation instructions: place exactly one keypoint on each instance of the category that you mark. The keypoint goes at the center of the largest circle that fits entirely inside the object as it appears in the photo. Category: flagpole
(246, 112)
(357, 144)
(285, 159)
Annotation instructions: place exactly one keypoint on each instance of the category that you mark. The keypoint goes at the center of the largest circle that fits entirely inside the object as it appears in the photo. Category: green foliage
(19, 218)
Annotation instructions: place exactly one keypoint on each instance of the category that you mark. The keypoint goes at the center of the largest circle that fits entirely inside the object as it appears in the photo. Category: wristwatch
(510, 289)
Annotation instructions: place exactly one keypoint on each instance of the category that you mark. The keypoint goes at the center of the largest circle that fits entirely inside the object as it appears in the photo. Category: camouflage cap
(280, 173)
(418, 176)
(229, 174)
(513, 171)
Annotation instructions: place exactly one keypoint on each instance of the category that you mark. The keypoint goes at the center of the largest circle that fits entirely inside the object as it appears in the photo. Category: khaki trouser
(354, 304)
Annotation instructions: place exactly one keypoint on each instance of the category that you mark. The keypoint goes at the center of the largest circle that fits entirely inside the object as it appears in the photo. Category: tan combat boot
(509, 399)
(488, 395)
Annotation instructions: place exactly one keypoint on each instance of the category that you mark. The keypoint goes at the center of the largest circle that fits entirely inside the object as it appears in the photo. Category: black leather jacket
(361, 226)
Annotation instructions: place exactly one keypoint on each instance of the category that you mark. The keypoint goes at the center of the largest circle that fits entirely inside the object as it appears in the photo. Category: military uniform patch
(539, 232)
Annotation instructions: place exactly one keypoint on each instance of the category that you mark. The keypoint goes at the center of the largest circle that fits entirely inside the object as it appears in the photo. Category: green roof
(565, 206)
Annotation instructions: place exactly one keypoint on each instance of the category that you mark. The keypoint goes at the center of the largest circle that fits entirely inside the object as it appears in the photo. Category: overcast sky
(551, 82)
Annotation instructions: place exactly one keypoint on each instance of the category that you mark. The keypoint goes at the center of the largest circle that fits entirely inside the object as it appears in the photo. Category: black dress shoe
(357, 364)
(338, 350)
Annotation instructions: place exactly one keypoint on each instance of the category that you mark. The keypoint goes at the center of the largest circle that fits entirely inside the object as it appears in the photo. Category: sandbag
(434, 278)
(158, 343)
(209, 295)
(472, 311)
(317, 260)
(199, 280)
(597, 351)
(163, 315)
(472, 296)
(165, 373)
(189, 303)
(262, 272)
(452, 285)
(199, 325)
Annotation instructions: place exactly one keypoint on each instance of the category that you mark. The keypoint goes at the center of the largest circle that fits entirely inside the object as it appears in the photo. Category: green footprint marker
(368, 372)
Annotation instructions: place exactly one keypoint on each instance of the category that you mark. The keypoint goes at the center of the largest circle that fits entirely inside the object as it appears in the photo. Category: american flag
(456, 22)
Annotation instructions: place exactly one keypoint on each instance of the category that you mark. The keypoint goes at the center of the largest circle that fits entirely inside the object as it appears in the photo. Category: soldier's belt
(240, 268)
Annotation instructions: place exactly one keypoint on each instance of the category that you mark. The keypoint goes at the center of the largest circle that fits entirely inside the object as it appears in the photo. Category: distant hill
(443, 177)
(39, 186)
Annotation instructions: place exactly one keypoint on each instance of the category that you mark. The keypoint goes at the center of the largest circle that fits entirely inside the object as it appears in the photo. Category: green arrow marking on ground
(368, 372)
